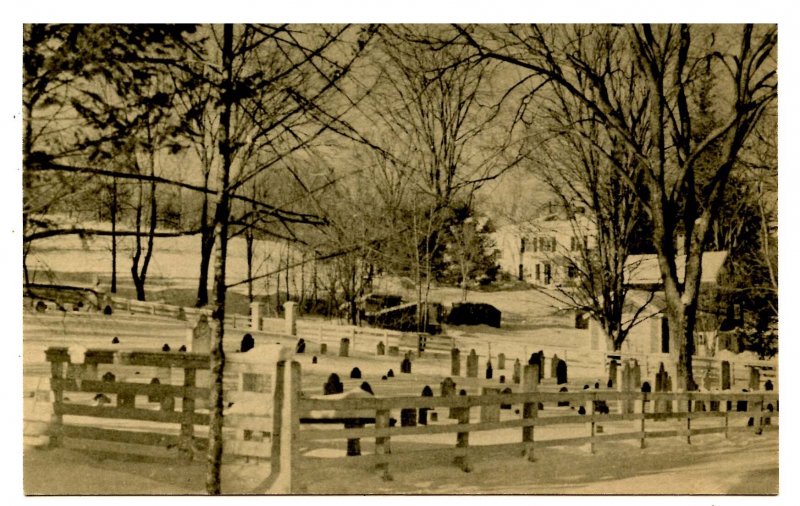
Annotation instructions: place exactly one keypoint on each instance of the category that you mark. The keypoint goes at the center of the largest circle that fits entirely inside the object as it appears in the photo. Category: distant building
(544, 251)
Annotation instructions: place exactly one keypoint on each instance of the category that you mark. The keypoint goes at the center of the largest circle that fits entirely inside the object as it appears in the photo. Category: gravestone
(109, 377)
(517, 372)
(490, 412)
(247, 344)
(301, 346)
(455, 362)
(181, 314)
(553, 365)
(563, 403)
(754, 382)
(182, 348)
(366, 387)
(506, 390)
(344, 347)
(612, 374)
(646, 388)
(101, 400)
(501, 361)
(393, 351)
(108, 310)
(636, 374)
(725, 375)
(384, 378)
(115, 340)
(380, 348)
(165, 347)
(201, 336)
(41, 307)
(489, 371)
(561, 372)
(154, 397)
(405, 366)
(472, 364)
(355, 373)
(390, 373)
(447, 387)
(408, 417)
(333, 385)
(423, 412)
(323, 348)
(502, 379)
(537, 359)
(314, 359)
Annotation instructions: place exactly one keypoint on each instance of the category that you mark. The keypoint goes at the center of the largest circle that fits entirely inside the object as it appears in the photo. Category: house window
(664, 335)
(538, 272)
(572, 272)
(547, 274)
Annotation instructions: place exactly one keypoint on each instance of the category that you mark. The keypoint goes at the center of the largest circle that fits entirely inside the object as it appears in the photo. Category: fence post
(529, 409)
(56, 374)
(462, 439)
(382, 445)
(644, 402)
(724, 406)
(590, 415)
(187, 409)
(689, 420)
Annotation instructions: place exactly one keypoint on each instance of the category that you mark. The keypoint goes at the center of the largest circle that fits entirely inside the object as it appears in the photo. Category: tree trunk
(114, 237)
(213, 478)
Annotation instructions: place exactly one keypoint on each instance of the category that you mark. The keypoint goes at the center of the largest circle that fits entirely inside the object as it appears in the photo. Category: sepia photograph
(389, 258)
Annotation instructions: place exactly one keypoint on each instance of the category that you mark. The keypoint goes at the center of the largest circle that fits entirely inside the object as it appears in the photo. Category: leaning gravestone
(561, 372)
(501, 361)
(333, 385)
(301, 346)
(472, 364)
(380, 348)
(455, 362)
(517, 372)
(344, 347)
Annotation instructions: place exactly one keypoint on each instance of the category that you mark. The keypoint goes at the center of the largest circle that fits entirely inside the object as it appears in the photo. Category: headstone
(108, 310)
(366, 387)
(165, 347)
(501, 361)
(405, 366)
(517, 372)
(506, 390)
(561, 372)
(393, 351)
(472, 364)
(333, 385)
(41, 307)
(447, 387)
(247, 344)
(301, 346)
(381, 348)
(489, 371)
(390, 373)
(323, 348)
(502, 379)
(314, 359)
(181, 313)
(423, 412)
(455, 362)
(538, 360)
(768, 386)
(101, 400)
(636, 374)
(490, 412)
(612, 374)
(384, 378)
(109, 377)
(201, 336)
(725, 375)
(553, 365)
(355, 373)
(530, 378)
(182, 348)
(115, 340)
(563, 403)
(408, 417)
(154, 397)
(755, 379)
(344, 347)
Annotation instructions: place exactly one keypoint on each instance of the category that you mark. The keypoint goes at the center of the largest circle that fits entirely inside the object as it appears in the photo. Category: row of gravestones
(558, 367)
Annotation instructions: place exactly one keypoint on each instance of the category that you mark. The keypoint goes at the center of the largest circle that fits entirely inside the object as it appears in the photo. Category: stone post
(290, 315)
(255, 316)
(455, 362)
(472, 364)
